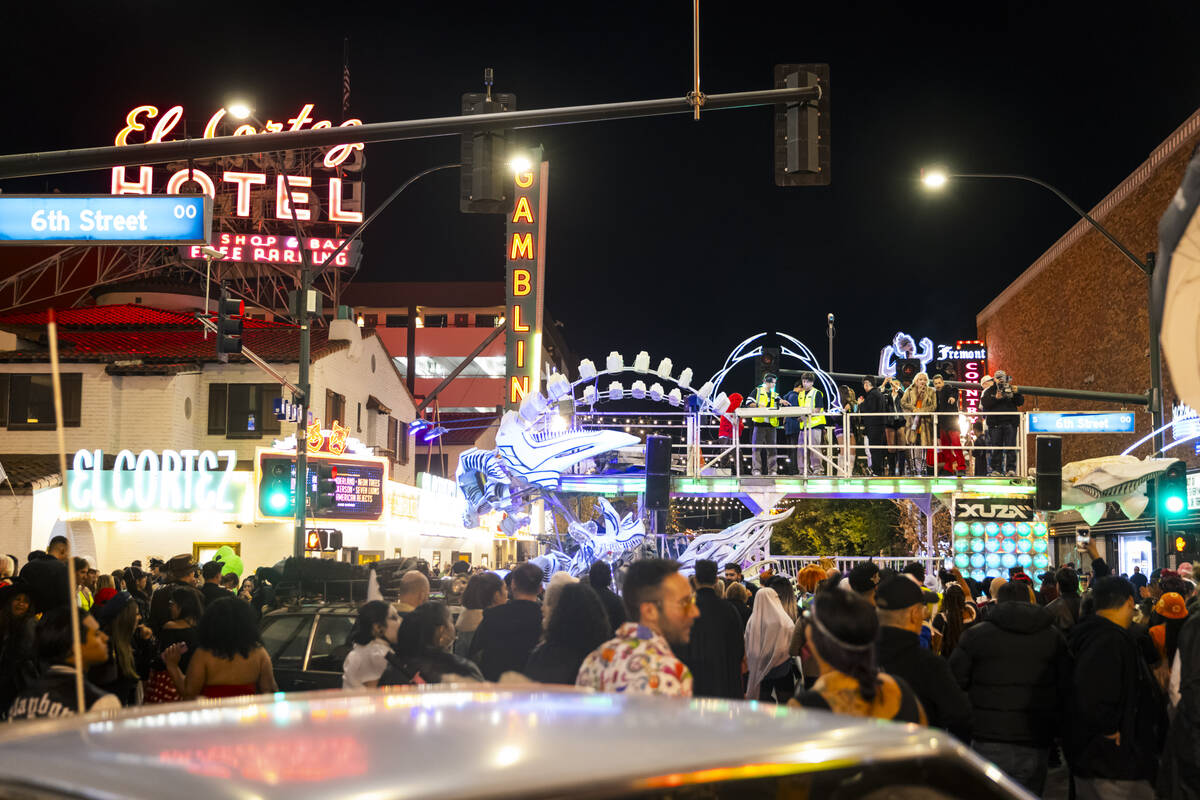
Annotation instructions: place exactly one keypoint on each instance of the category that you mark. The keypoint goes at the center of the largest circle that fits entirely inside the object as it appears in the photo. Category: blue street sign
(1081, 422)
(105, 219)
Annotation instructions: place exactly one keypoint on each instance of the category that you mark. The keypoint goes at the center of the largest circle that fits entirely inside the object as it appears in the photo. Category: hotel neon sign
(137, 121)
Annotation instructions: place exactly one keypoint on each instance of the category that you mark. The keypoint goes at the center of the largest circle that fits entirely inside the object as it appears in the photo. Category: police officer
(764, 430)
(809, 446)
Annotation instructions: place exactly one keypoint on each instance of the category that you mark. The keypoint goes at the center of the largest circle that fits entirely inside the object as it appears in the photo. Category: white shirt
(366, 662)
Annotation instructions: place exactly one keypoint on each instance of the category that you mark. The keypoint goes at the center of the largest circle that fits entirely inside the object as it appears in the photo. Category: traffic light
(326, 487)
(1171, 490)
(1183, 545)
(802, 128)
(486, 180)
(767, 361)
(229, 325)
(316, 540)
(276, 496)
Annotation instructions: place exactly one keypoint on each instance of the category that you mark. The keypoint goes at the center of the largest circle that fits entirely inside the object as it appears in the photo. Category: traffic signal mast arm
(54, 162)
(252, 357)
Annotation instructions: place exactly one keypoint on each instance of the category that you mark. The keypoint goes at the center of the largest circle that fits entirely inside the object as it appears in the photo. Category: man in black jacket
(212, 588)
(1065, 607)
(600, 577)
(1017, 671)
(1116, 718)
(1002, 400)
(716, 646)
(900, 604)
(509, 632)
(872, 404)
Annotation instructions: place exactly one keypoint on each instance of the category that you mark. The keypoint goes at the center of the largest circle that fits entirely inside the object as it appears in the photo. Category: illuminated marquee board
(359, 495)
(993, 535)
(175, 482)
(255, 188)
(525, 255)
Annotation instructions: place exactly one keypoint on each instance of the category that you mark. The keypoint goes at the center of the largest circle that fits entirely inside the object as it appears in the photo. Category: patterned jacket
(636, 660)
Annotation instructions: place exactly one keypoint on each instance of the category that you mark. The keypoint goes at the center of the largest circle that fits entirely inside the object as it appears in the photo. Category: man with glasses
(639, 658)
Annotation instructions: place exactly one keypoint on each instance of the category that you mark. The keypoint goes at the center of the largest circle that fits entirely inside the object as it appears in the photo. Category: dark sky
(667, 234)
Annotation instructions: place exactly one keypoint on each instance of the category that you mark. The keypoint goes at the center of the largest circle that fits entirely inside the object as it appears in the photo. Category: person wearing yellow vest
(83, 592)
(764, 430)
(811, 427)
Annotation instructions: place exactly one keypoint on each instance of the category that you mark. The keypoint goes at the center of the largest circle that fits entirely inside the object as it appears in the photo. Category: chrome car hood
(478, 740)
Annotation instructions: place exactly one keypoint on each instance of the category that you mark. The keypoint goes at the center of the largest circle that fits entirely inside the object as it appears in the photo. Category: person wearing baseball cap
(900, 604)
(1174, 611)
(180, 573)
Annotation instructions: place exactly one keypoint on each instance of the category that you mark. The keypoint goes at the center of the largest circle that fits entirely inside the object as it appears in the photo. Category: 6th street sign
(105, 219)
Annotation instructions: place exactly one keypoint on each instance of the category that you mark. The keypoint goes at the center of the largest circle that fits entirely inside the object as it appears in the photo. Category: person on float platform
(764, 433)
(809, 446)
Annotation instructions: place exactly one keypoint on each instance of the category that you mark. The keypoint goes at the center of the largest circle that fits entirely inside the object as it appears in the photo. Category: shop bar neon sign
(137, 121)
(177, 481)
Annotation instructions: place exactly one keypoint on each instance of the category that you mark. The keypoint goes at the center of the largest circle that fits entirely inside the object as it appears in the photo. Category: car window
(939, 778)
(330, 647)
(286, 638)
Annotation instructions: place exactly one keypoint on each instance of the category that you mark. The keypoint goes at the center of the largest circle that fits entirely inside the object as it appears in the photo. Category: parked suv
(308, 643)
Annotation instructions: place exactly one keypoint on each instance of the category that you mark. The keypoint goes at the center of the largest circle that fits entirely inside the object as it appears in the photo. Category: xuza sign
(104, 219)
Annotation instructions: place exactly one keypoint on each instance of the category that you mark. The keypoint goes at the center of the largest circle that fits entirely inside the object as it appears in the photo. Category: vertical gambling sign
(525, 257)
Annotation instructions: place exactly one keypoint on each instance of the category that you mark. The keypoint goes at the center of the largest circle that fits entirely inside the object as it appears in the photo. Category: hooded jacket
(899, 654)
(715, 648)
(1113, 691)
(1017, 671)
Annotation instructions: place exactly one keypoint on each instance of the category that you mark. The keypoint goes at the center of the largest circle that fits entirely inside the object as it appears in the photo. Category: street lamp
(521, 164)
(936, 178)
(239, 109)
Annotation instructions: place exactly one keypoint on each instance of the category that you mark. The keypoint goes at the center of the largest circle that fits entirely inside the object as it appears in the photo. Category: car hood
(476, 740)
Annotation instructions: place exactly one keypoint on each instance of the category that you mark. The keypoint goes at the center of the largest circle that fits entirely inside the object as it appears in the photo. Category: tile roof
(26, 470)
(160, 336)
(127, 315)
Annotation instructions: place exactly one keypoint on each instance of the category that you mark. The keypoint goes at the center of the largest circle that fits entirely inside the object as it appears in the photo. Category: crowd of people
(171, 632)
(1096, 671)
(887, 428)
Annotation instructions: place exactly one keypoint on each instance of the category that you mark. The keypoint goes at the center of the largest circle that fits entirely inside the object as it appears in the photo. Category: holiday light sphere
(977, 528)
(993, 560)
(977, 561)
(961, 528)
(991, 545)
(1008, 560)
(1024, 545)
(1008, 545)
(977, 545)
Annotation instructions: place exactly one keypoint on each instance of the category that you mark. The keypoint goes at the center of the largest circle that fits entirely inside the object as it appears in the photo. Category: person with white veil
(768, 635)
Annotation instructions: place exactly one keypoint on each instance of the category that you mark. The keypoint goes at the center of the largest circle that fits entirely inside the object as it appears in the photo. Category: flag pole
(72, 592)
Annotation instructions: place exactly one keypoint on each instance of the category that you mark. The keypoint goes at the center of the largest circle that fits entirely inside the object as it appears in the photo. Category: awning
(373, 404)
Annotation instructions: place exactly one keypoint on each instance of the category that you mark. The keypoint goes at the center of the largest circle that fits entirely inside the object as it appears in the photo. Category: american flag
(346, 81)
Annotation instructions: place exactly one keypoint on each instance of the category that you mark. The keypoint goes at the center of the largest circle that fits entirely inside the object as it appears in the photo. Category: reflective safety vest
(809, 399)
(766, 399)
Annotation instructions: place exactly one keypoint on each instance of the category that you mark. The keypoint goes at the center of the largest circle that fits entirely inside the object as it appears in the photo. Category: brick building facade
(1077, 318)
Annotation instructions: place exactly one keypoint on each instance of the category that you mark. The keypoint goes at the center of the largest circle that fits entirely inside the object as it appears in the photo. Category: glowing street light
(240, 110)
(521, 164)
(934, 178)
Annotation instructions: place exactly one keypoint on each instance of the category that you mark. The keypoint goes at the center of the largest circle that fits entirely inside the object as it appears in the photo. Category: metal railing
(699, 449)
(792, 565)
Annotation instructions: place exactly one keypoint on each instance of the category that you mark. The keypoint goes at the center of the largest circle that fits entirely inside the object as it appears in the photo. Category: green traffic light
(278, 501)
(1174, 504)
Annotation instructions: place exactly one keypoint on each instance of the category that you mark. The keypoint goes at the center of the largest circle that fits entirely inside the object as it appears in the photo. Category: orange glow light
(131, 124)
(522, 282)
(518, 388)
(521, 210)
(517, 325)
(521, 247)
(524, 179)
(520, 353)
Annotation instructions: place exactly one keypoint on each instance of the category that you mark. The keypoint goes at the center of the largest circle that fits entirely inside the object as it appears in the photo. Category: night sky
(666, 234)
